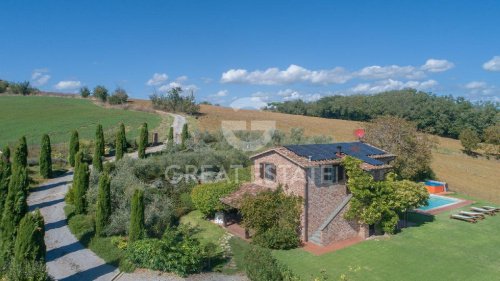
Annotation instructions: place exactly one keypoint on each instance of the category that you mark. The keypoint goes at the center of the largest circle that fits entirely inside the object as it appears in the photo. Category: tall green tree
(120, 142)
(80, 187)
(74, 147)
(103, 204)
(46, 158)
(21, 154)
(98, 149)
(170, 136)
(136, 228)
(184, 135)
(470, 140)
(100, 93)
(84, 92)
(14, 209)
(400, 137)
(5, 172)
(30, 244)
(380, 203)
(143, 141)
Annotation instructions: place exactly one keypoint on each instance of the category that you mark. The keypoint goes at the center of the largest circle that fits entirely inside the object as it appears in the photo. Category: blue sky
(272, 50)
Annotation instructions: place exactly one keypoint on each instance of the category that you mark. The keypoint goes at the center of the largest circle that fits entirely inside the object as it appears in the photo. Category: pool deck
(435, 211)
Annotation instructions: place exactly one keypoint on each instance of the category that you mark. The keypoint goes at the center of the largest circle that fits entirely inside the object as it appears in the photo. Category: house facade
(313, 171)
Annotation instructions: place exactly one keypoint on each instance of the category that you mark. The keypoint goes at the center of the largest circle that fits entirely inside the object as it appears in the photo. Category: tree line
(441, 115)
(17, 88)
(119, 95)
(175, 101)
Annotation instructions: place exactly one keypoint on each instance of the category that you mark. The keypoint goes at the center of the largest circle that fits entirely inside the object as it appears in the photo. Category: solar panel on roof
(319, 152)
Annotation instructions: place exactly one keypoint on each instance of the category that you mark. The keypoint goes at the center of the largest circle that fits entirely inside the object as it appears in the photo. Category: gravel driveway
(67, 259)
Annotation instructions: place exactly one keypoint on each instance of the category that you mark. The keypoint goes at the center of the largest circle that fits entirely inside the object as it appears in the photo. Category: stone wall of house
(289, 175)
(324, 198)
(341, 229)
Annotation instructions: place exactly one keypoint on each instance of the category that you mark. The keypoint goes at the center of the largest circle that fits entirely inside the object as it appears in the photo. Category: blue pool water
(436, 201)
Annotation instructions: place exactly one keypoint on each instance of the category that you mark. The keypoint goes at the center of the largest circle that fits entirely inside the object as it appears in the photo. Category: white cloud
(68, 85)
(289, 94)
(40, 77)
(293, 74)
(476, 85)
(185, 88)
(182, 78)
(337, 75)
(157, 79)
(435, 65)
(390, 84)
(493, 64)
(479, 90)
(221, 93)
(391, 71)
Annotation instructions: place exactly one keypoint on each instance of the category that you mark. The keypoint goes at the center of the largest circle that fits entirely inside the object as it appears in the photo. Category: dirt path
(178, 123)
(67, 259)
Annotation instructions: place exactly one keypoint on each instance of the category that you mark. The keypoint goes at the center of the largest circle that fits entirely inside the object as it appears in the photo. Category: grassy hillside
(477, 177)
(33, 116)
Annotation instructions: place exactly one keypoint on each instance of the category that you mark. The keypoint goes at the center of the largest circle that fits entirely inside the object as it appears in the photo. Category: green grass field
(443, 249)
(34, 116)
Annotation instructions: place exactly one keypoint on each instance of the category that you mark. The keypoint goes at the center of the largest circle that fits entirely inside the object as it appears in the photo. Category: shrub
(103, 204)
(27, 271)
(176, 252)
(206, 197)
(100, 93)
(98, 149)
(269, 210)
(84, 92)
(277, 238)
(119, 96)
(136, 229)
(143, 141)
(46, 158)
(260, 265)
(80, 187)
(170, 136)
(74, 146)
(470, 140)
(184, 135)
(120, 142)
(30, 244)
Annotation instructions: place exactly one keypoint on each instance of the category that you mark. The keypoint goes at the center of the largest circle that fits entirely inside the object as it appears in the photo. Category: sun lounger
(472, 214)
(484, 211)
(464, 218)
(496, 209)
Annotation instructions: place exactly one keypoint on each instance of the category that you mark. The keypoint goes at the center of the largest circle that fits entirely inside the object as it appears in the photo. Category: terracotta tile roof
(305, 162)
(234, 199)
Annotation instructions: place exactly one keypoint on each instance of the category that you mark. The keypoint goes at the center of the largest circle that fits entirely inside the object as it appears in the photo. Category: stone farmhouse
(313, 171)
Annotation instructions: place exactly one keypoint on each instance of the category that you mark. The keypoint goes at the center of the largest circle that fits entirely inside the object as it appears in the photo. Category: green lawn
(34, 116)
(443, 249)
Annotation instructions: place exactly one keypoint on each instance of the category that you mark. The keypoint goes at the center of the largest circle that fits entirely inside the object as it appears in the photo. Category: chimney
(339, 150)
(310, 158)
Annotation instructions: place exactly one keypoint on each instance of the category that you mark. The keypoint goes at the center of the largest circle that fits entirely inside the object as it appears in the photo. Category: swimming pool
(436, 201)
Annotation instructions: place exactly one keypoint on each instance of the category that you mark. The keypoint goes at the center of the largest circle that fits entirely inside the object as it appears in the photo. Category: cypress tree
(14, 209)
(80, 186)
(170, 137)
(45, 158)
(143, 141)
(184, 135)
(121, 142)
(98, 149)
(136, 228)
(5, 172)
(29, 245)
(21, 154)
(74, 146)
(103, 204)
